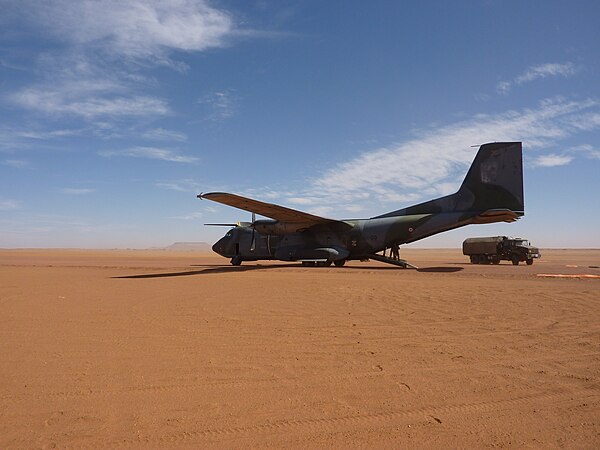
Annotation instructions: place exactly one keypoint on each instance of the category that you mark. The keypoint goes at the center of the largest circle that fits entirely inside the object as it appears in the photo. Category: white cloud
(302, 200)
(546, 70)
(222, 105)
(16, 163)
(432, 163)
(552, 160)
(435, 162)
(7, 204)
(45, 135)
(12, 139)
(77, 191)
(96, 74)
(536, 72)
(150, 153)
(160, 134)
(51, 230)
(185, 185)
(587, 150)
(135, 28)
(504, 87)
(191, 216)
(66, 100)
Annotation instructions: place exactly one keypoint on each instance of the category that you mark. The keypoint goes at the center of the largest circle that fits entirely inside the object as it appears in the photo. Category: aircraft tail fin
(493, 187)
(495, 180)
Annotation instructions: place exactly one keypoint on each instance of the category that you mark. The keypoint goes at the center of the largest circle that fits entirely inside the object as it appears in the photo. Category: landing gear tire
(515, 260)
(308, 263)
(236, 260)
(529, 262)
(339, 262)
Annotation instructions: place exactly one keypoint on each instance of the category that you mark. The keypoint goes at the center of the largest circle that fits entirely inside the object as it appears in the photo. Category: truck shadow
(440, 269)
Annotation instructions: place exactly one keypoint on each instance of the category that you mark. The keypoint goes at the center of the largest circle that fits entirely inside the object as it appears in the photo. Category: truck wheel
(482, 259)
(529, 262)
(474, 259)
(495, 260)
(515, 260)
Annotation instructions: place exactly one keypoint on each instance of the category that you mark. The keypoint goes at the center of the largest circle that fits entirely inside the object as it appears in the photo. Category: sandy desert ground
(110, 349)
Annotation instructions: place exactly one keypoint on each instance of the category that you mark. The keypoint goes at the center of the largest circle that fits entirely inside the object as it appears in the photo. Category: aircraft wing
(284, 215)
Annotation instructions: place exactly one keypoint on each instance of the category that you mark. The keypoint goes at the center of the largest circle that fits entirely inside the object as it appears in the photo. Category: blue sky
(114, 115)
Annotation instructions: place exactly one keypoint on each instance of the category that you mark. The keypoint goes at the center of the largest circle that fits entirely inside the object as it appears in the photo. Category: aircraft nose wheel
(339, 262)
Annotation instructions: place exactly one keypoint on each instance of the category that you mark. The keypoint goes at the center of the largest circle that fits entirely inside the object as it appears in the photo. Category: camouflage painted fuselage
(491, 192)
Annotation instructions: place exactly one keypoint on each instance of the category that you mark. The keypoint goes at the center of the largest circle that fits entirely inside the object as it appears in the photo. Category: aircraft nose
(218, 247)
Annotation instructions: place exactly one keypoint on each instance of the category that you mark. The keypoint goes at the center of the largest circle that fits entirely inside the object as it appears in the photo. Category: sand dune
(146, 349)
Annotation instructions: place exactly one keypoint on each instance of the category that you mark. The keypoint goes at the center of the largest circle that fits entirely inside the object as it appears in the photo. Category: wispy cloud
(552, 160)
(433, 163)
(160, 134)
(191, 216)
(588, 150)
(536, 72)
(222, 105)
(13, 138)
(99, 50)
(8, 204)
(150, 153)
(185, 185)
(546, 70)
(64, 99)
(135, 28)
(77, 191)
(16, 163)
(47, 134)
(44, 230)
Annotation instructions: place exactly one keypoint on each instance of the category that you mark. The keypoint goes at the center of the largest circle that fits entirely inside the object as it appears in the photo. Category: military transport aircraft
(491, 192)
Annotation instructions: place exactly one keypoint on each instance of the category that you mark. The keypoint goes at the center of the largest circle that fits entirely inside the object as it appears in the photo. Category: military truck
(491, 250)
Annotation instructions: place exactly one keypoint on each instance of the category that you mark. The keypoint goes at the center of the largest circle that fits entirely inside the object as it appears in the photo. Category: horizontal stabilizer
(497, 215)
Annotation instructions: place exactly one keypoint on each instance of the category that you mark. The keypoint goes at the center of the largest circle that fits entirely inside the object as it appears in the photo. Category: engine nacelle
(268, 226)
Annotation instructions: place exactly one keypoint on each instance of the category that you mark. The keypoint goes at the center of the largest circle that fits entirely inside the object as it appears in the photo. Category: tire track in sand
(318, 424)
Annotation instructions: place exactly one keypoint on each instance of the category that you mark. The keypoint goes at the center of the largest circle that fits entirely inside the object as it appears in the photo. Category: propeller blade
(253, 242)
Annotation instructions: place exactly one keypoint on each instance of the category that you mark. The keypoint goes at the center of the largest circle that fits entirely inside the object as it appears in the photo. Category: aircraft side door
(273, 242)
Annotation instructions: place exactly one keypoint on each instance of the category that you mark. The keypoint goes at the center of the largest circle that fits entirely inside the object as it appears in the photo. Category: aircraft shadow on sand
(215, 269)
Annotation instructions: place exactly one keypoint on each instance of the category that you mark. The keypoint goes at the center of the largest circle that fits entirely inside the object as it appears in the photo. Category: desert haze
(151, 349)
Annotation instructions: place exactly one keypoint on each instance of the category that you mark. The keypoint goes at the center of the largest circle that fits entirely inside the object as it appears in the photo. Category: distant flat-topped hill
(189, 246)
